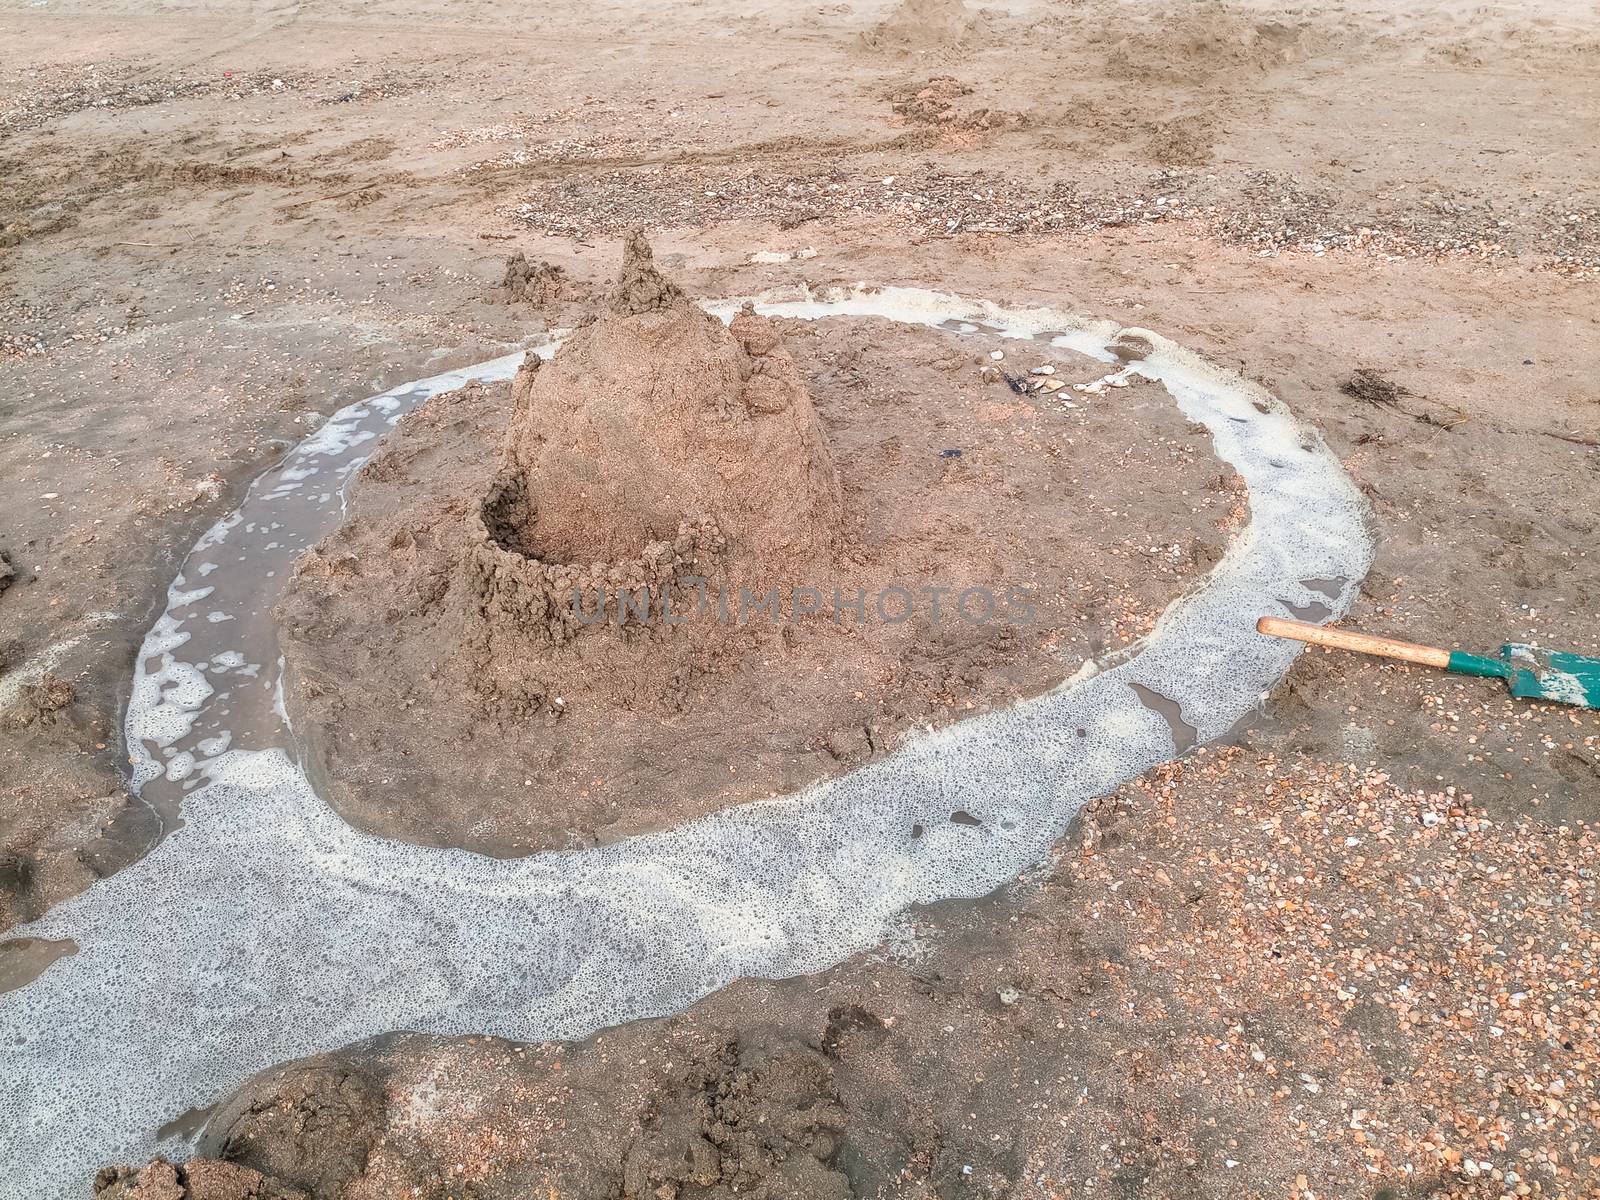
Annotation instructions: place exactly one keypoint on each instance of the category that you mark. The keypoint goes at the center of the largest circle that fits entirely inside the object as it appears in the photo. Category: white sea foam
(266, 929)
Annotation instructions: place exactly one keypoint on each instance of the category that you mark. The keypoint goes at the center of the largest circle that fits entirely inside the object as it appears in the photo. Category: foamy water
(264, 929)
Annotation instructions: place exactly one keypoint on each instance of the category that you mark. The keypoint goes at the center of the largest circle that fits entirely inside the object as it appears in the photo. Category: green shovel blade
(1536, 674)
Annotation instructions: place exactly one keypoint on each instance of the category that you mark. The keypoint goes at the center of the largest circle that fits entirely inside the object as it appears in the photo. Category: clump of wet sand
(536, 283)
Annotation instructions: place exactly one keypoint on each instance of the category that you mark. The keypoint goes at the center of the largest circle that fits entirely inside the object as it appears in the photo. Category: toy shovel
(1530, 673)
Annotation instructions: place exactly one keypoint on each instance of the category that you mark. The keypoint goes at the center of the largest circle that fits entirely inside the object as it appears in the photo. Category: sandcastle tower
(658, 445)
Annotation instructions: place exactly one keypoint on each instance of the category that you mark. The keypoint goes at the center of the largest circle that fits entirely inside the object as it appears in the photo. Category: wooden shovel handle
(1343, 639)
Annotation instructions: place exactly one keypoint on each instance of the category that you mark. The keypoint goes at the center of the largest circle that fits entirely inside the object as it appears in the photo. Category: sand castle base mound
(686, 565)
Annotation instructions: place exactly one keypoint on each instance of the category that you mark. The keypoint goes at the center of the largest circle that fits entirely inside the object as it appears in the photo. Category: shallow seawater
(264, 929)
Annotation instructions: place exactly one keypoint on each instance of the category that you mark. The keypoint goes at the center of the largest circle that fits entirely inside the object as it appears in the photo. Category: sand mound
(657, 419)
(641, 287)
(684, 565)
(937, 103)
(918, 26)
(662, 452)
(1198, 42)
(536, 283)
